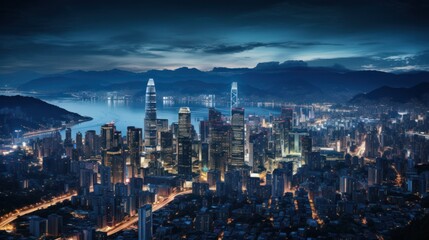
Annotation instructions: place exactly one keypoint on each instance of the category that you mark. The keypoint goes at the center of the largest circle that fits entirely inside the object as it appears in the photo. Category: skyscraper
(79, 143)
(91, 143)
(68, 143)
(219, 138)
(234, 95)
(134, 142)
(281, 182)
(184, 146)
(117, 139)
(150, 116)
(68, 139)
(145, 222)
(306, 147)
(115, 160)
(107, 132)
(287, 116)
(166, 142)
(204, 131)
(237, 137)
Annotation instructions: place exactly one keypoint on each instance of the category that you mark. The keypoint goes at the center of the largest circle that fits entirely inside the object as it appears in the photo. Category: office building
(184, 143)
(91, 143)
(234, 95)
(145, 222)
(55, 225)
(150, 123)
(37, 226)
(107, 132)
(134, 142)
(237, 137)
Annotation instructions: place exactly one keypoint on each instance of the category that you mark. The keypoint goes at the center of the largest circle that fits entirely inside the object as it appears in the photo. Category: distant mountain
(15, 79)
(417, 94)
(291, 81)
(30, 114)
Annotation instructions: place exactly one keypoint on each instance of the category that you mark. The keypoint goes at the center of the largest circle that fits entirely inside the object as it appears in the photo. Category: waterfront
(129, 113)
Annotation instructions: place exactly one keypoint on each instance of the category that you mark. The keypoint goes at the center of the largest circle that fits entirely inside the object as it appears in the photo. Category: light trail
(314, 211)
(361, 149)
(10, 217)
(398, 179)
(134, 219)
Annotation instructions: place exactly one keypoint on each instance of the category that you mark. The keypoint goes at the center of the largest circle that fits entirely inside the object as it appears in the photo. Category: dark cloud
(165, 33)
(227, 49)
(392, 61)
(73, 48)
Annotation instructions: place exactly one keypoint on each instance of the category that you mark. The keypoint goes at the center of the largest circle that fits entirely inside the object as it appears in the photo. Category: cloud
(393, 61)
(75, 49)
(201, 33)
(228, 49)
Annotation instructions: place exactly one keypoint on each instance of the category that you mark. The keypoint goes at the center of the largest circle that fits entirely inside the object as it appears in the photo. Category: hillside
(417, 94)
(30, 114)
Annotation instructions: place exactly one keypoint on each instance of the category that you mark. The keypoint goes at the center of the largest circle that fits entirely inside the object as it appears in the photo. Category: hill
(417, 94)
(32, 114)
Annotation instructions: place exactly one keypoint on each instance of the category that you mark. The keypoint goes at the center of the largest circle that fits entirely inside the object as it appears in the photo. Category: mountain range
(289, 81)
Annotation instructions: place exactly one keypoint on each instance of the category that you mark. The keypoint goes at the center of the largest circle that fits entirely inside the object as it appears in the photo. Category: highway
(10, 217)
(134, 219)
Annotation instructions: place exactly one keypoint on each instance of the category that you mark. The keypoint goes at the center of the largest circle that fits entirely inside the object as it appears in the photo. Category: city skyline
(239, 119)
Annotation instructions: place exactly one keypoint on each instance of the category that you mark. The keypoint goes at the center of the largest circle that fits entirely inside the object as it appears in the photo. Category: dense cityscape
(343, 172)
(212, 120)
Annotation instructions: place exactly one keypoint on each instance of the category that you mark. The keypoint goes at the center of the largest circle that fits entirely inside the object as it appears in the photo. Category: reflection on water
(129, 113)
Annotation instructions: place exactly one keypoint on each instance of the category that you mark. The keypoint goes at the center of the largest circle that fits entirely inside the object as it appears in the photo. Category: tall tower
(219, 142)
(79, 143)
(134, 141)
(107, 132)
(68, 140)
(145, 222)
(184, 146)
(150, 117)
(234, 95)
(237, 137)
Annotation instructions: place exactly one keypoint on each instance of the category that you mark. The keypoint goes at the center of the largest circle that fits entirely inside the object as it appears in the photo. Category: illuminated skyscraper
(184, 146)
(115, 160)
(107, 132)
(150, 117)
(117, 139)
(185, 127)
(234, 95)
(134, 142)
(219, 142)
(237, 137)
(145, 222)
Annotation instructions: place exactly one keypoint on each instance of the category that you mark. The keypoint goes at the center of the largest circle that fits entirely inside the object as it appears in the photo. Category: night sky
(58, 35)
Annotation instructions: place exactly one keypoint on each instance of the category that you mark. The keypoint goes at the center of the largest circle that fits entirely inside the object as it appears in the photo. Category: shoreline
(30, 135)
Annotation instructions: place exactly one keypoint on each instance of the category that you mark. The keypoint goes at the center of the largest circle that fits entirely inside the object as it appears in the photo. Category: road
(128, 223)
(8, 218)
